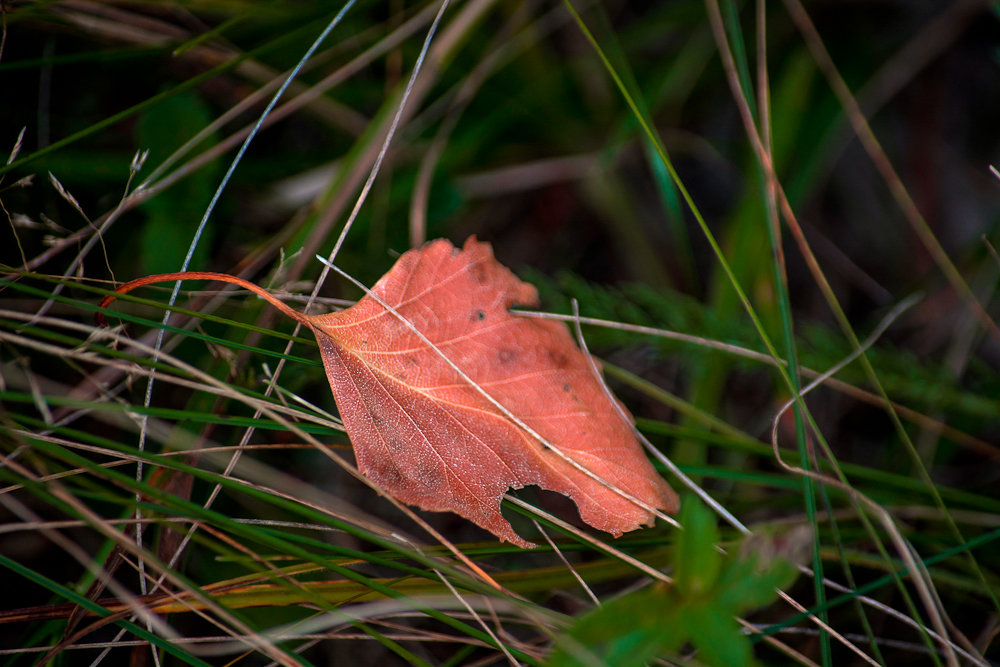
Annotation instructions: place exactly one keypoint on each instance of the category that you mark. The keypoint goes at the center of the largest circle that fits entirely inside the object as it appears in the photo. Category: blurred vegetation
(600, 148)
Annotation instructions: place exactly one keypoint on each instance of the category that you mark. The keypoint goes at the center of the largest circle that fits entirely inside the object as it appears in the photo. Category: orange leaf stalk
(101, 320)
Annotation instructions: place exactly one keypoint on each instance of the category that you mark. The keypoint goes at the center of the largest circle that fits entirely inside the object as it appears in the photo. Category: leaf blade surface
(429, 438)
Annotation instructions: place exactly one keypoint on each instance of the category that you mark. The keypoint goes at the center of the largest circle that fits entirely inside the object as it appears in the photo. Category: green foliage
(710, 591)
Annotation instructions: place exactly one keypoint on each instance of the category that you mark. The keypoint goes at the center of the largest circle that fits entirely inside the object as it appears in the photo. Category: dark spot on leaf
(388, 475)
(565, 387)
(479, 274)
(557, 358)
(507, 355)
(479, 315)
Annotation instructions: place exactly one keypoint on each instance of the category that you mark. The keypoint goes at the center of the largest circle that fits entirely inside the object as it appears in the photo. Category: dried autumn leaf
(436, 381)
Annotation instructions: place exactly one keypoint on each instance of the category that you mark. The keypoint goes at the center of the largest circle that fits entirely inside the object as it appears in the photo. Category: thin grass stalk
(734, 61)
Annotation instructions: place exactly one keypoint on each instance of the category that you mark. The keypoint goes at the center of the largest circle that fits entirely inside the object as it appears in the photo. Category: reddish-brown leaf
(427, 436)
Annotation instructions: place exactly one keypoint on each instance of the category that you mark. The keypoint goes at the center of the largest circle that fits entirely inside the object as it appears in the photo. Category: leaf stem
(202, 275)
